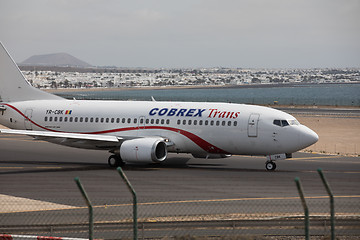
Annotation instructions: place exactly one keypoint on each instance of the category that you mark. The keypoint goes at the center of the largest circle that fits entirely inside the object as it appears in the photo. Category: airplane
(146, 131)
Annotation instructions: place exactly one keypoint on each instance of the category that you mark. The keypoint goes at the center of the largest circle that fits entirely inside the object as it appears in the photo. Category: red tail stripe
(17, 110)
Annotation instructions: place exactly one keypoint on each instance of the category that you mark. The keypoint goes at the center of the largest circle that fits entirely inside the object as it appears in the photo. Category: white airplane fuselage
(198, 128)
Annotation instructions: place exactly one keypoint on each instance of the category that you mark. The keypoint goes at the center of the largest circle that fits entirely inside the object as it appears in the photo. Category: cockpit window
(284, 123)
(293, 122)
(281, 123)
(277, 122)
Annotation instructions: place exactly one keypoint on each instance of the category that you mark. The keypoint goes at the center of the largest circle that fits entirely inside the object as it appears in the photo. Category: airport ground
(338, 129)
(37, 177)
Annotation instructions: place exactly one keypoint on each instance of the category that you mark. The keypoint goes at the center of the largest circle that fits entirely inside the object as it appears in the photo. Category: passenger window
(60, 119)
(65, 119)
(112, 120)
(223, 123)
(229, 123)
(157, 121)
(81, 119)
(107, 120)
(135, 120)
(167, 121)
(91, 119)
(212, 123)
(45, 119)
(102, 120)
(147, 121)
(178, 121)
(152, 121)
(217, 123)
(200, 122)
(141, 120)
(195, 122)
(162, 121)
(50, 119)
(206, 122)
(123, 120)
(235, 123)
(118, 120)
(86, 119)
(129, 120)
(189, 122)
(70, 119)
(55, 119)
(184, 122)
(75, 119)
(96, 119)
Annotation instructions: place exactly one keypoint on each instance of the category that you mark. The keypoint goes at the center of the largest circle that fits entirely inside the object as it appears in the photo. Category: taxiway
(36, 176)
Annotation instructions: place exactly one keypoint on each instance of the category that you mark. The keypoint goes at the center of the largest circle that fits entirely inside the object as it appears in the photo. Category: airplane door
(28, 114)
(253, 125)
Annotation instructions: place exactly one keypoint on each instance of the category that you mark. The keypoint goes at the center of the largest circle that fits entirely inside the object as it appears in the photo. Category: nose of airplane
(308, 137)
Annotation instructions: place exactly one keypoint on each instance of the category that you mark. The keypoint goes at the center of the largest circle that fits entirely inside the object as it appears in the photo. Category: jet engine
(143, 150)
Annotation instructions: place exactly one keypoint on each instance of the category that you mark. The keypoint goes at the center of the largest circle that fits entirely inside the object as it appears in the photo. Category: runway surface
(36, 176)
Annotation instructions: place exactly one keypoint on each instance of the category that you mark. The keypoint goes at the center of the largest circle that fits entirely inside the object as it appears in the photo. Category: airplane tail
(13, 85)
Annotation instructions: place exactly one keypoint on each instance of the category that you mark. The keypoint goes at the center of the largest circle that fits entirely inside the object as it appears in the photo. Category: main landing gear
(270, 165)
(115, 161)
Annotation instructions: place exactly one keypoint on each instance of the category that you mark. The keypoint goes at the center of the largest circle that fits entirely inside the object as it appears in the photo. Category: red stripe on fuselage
(208, 147)
(17, 110)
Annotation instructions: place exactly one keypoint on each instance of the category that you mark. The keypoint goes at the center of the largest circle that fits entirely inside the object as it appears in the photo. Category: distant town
(82, 78)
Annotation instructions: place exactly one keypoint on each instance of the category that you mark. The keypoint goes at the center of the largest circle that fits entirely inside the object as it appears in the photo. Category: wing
(88, 141)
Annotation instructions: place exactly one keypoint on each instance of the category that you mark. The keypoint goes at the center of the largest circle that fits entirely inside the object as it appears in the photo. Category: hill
(55, 59)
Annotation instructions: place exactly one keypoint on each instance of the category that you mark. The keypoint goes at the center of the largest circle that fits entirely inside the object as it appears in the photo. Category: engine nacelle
(143, 150)
(211, 155)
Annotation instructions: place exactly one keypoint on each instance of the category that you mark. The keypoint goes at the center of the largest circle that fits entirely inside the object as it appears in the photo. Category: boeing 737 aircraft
(138, 131)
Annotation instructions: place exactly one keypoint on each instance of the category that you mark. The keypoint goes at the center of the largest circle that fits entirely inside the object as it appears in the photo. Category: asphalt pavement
(37, 178)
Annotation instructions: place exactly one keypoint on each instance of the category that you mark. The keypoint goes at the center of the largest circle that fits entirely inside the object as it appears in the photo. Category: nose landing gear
(270, 165)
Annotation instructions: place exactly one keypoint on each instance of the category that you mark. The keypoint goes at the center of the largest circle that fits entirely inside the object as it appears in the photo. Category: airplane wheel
(270, 166)
(115, 161)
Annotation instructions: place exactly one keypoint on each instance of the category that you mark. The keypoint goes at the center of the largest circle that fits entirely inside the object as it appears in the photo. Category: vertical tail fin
(13, 85)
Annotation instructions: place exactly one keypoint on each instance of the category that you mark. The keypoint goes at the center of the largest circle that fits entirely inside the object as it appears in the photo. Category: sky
(186, 33)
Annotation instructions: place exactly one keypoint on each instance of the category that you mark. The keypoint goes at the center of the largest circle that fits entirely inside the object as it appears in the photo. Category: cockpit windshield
(293, 122)
(284, 123)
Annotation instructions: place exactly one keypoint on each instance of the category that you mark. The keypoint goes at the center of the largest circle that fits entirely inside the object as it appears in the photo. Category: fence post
(306, 210)
(91, 214)
(131, 189)
(332, 206)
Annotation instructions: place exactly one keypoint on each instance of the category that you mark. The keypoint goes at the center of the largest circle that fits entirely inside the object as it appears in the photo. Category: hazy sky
(194, 33)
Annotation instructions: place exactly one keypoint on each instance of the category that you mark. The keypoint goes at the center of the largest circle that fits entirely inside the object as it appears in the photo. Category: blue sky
(165, 33)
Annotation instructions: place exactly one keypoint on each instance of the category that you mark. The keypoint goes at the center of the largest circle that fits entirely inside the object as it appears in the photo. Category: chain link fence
(251, 218)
